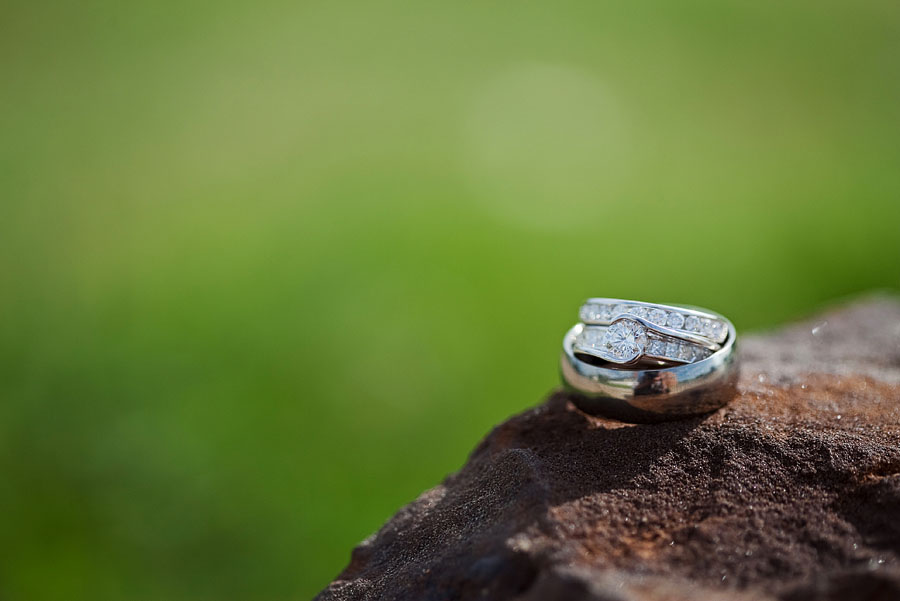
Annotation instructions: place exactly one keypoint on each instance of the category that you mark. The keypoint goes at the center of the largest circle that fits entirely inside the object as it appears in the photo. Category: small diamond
(589, 338)
(658, 348)
(639, 311)
(684, 353)
(590, 312)
(706, 327)
(620, 309)
(672, 350)
(594, 312)
(717, 331)
(692, 324)
(658, 316)
(676, 320)
(699, 353)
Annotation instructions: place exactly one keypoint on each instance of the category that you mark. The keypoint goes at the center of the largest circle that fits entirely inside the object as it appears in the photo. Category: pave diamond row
(638, 340)
(671, 349)
(677, 320)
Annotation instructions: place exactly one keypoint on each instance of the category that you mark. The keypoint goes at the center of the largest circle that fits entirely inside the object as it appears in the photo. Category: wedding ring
(691, 323)
(628, 362)
(635, 342)
(637, 332)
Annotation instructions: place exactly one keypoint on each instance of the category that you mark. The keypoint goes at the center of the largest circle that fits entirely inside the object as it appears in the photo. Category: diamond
(620, 309)
(639, 311)
(590, 312)
(587, 312)
(676, 320)
(658, 316)
(596, 312)
(692, 323)
(706, 327)
(589, 338)
(684, 353)
(672, 350)
(699, 353)
(717, 331)
(658, 348)
(623, 341)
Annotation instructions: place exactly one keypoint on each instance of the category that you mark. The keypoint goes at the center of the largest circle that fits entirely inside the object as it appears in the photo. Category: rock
(790, 492)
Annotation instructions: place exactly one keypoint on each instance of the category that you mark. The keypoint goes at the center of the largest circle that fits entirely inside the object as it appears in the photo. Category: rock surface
(790, 492)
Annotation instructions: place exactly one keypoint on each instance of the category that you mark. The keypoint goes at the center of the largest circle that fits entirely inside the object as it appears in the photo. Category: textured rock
(791, 492)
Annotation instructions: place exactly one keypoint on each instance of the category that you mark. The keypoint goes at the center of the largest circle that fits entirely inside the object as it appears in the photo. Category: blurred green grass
(258, 259)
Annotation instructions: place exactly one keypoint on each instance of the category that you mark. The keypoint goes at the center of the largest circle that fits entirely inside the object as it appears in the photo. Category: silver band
(648, 392)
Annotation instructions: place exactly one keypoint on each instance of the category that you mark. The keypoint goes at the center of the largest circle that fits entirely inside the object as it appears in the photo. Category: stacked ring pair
(640, 361)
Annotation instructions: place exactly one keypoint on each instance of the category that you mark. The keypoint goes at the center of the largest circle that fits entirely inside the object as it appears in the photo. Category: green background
(269, 270)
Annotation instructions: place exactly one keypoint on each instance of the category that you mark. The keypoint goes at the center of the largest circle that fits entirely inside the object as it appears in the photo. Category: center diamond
(623, 342)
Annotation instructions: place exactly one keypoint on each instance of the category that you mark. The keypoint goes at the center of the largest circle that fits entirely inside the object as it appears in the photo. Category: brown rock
(791, 492)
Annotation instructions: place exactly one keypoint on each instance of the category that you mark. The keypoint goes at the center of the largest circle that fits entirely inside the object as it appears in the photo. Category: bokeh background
(270, 269)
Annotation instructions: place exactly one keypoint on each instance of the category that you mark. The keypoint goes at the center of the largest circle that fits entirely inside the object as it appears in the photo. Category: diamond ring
(629, 333)
(688, 322)
(633, 341)
(627, 361)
